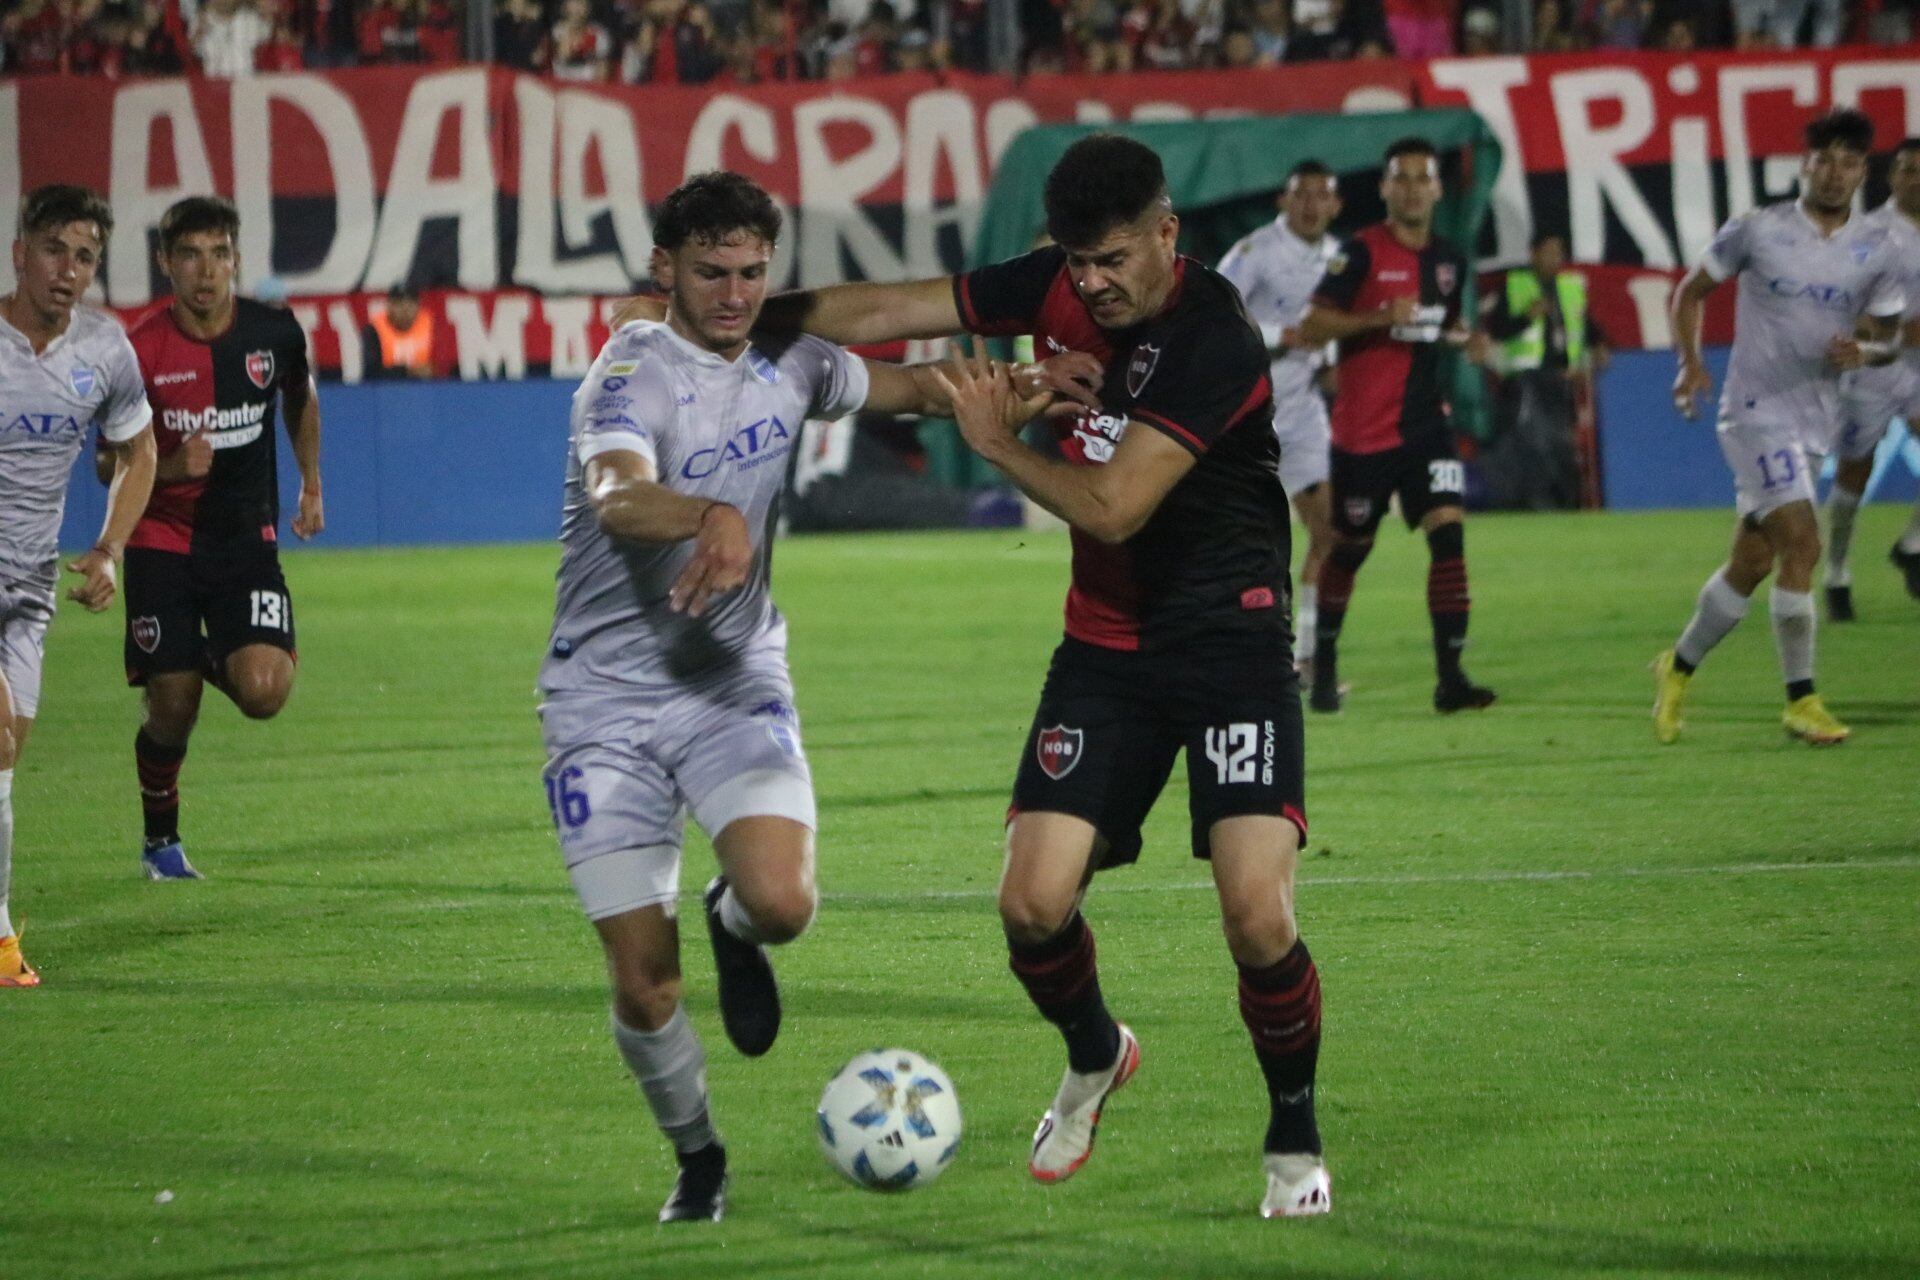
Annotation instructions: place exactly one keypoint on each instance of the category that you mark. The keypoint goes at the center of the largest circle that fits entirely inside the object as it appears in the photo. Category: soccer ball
(890, 1120)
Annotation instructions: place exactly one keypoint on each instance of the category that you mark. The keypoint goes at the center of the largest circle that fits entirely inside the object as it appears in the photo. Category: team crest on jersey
(260, 368)
(1140, 367)
(82, 380)
(1444, 277)
(1058, 749)
(146, 633)
(1358, 510)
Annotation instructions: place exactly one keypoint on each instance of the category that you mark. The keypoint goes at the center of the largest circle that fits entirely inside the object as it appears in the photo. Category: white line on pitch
(1465, 877)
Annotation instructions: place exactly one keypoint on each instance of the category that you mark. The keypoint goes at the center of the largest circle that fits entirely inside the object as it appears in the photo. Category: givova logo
(756, 443)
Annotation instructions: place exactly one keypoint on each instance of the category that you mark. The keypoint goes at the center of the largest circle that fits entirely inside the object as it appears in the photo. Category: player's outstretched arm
(849, 314)
(1323, 324)
(127, 496)
(1692, 381)
(1111, 502)
(630, 504)
(301, 403)
(1068, 380)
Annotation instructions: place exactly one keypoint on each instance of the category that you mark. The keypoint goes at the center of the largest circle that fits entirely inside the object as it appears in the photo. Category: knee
(258, 694)
(170, 719)
(1031, 917)
(645, 998)
(783, 914)
(9, 745)
(1259, 931)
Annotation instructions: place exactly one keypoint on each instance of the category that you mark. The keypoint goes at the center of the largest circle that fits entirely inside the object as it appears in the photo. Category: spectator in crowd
(1270, 28)
(281, 50)
(1421, 28)
(1791, 16)
(1480, 32)
(226, 35)
(579, 48)
(1546, 343)
(1893, 23)
(400, 340)
(1617, 24)
(36, 38)
(1336, 30)
(520, 35)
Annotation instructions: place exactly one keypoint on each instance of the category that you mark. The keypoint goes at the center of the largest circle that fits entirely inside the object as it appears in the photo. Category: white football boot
(1297, 1187)
(1064, 1139)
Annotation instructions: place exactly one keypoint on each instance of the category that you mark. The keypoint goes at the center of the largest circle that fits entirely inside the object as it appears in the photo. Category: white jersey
(1799, 290)
(1902, 371)
(86, 377)
(710, 427)
(1276, 272)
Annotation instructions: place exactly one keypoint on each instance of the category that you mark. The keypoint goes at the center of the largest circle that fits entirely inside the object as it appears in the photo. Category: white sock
(1793, 628)
(1717, 612)
(672, 1070)
(1842, 506)
(734, 918)
(6, 849)
(1306, 620)
(1910, 538)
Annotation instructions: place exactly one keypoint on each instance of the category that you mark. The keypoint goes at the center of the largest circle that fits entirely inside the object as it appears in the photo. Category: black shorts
(1426, 474)
(1110, 724)
(186, 611)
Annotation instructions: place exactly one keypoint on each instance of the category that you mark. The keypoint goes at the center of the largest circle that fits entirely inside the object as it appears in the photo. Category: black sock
(1796, 689)
(1063, 982)
(1281, 1006)
(158, 766)
(1684, 667)
(1447, 599)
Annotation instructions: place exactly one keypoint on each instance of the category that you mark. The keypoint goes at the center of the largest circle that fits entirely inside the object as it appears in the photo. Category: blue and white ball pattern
(890, 1120)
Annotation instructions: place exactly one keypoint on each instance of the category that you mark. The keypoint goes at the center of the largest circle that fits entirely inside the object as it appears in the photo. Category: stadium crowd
(747, 41)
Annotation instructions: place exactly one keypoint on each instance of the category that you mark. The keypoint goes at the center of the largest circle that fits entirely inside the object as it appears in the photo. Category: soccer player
(1277, 269)
(63, 368)
(1392, 301)
(665, 685)
(1820, 293)
(1870, 399)
(1176, 620)
(206, 600)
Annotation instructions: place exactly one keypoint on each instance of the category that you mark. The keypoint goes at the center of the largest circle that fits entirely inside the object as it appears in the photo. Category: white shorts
(24, 614)
(1870, 399)
(1771, 464)
(1306, 442)
(624, 768)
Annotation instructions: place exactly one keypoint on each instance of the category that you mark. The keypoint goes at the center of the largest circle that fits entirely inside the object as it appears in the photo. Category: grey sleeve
(125, 412)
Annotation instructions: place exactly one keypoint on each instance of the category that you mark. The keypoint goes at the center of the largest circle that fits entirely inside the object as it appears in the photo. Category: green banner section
(1224, 175)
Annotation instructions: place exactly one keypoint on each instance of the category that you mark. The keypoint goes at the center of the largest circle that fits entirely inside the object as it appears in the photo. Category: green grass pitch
(1593, 1007)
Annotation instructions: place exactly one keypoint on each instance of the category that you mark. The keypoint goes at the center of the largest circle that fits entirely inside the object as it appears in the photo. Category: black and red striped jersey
(1210, 565)
(225, 388)
(1392, 385)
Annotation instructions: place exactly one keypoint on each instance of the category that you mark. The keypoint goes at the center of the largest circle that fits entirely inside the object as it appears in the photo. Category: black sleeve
(1212, 374)
(294, 367)
(1345, 274)
(1005, 298)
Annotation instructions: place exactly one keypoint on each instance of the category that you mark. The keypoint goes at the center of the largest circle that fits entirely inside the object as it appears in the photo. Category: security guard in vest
(398, 341)
(1544, 339)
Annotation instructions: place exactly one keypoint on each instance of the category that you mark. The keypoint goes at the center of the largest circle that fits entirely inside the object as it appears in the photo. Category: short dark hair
(402, 289)
(1543, 234)
(1412, 145)
(711, 207)
(1101, 182)
(1905, 145)
(59, 203)
(196, 214)
(1841, 127)
(1311, 169)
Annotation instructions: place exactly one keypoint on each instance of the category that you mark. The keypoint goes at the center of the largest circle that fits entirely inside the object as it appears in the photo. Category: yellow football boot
(1809, 720)
(1669, 695)
(14, 969)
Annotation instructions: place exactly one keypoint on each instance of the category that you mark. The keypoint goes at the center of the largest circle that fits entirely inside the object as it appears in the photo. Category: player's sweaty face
(1125, 276)
(717, 289)
(1411, 187)
(55, 267)
(1312, 203)
(201, 265)
(1832, 176)
(1904, 181)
